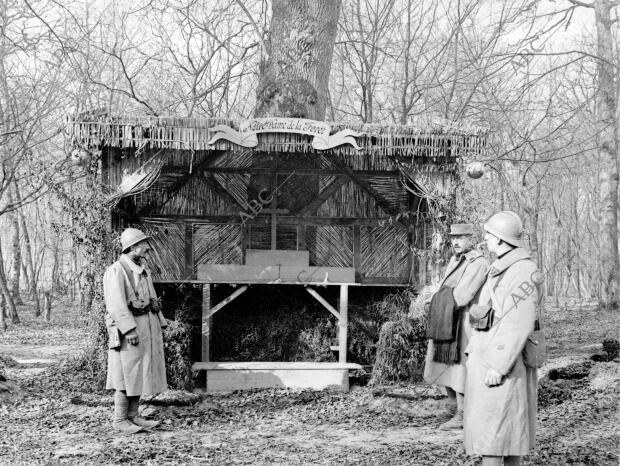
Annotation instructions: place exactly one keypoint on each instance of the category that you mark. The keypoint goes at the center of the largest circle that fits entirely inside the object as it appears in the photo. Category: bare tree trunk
(294, 77)
(4, 289)
(29, 262)
(16, 249)
(3, 325)
(608, 147)
(47, 314)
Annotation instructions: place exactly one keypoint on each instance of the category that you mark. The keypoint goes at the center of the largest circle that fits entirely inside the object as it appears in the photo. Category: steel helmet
(507, 226)
(131, 236)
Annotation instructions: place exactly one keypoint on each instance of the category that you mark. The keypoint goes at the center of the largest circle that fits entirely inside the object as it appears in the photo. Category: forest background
(541, 75)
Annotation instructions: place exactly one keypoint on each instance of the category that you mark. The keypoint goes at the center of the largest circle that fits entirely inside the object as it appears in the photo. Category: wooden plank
(230, 298)
(365, 185)
(266, 258)
(343, 324)
(301, 238)
(357, 251)
(189, 251)
(322, 300)
(206, 322)
(325, 194)
(214, 185)
(297, 171)
(275, 365)
(233, 273)
(384, 280)
(179, 183)
(265, 219)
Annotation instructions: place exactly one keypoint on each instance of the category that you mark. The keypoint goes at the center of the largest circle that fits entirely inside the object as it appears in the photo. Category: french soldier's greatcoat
(465, 275)
(138, 369)
(501, 420)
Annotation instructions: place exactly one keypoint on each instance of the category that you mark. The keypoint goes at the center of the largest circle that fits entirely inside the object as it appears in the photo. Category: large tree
(294, 74)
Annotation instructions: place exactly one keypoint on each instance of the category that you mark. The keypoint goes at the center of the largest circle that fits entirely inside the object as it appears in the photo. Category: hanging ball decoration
(475, 170)
(81, 156)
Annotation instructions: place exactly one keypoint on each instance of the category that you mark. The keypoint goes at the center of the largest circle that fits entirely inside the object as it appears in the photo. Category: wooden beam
(322, 300)
(223, 303)
(189, 251)
(274, 365)
(325, 194)
(299, 171)
(221, 191)
(179, 183)
(301, 237)
(206, 322)
(365, 185)
(343, 323)
(357, 251)
(265, 219)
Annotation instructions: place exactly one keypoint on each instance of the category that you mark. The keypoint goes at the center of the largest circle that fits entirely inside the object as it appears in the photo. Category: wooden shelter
(282, 202)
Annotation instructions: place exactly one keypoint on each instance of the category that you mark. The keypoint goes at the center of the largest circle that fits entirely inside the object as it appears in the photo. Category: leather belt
(142, 311)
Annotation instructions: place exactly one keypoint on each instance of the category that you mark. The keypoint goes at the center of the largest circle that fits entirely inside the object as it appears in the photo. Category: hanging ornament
(475, 170)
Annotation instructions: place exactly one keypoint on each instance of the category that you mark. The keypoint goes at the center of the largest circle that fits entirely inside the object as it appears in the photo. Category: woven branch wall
(384, 251)
(168, 258)
(217, 244)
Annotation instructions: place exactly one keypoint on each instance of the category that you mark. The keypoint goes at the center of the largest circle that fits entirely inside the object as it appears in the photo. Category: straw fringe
(427, 138)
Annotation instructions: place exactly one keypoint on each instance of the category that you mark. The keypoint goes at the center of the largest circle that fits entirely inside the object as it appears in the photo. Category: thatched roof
(427, 138)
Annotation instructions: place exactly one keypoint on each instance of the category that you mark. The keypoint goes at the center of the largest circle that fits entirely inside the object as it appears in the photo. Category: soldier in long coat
(136, 365)
(500, 395)
(464, 275)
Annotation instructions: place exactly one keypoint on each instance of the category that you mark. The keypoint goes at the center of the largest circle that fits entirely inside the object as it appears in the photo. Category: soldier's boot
(457, 420)
(132, 414)
(448, 408)
(455, 423)
(121, 422)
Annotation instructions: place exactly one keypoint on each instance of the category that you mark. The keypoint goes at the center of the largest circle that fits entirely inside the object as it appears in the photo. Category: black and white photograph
(309, 232)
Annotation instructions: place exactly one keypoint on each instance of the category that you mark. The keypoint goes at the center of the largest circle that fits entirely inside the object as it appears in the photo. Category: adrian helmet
(131, 236)
(507, 226)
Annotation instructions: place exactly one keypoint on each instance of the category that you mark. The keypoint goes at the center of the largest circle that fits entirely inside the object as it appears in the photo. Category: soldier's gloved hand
(492, 378)
(156, 303)
(132, 337)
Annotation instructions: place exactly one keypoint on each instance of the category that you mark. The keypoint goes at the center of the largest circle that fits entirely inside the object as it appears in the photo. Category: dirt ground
(43, 423)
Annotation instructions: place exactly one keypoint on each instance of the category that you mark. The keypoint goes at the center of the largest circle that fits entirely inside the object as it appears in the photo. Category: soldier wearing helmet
(448, 329)
(136, 365)
(500, 394)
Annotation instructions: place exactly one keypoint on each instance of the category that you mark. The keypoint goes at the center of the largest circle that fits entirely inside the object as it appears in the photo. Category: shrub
(401, 350)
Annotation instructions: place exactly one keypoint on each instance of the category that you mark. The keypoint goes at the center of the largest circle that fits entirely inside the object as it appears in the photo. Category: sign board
(249, 129)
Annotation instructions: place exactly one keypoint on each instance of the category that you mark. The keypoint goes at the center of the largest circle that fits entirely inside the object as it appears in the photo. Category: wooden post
(206, 321)
(301, 237)
(357, 251)
(189, 251)
(274, 231)
(343, 323)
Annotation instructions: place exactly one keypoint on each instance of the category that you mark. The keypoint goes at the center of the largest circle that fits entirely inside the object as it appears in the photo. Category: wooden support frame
(227, 300)
(214, 185)
(341, 315)
(189, 251)
(322, 300)
(206, 322)
(178, 185)
(343, 323)
(325, 194)
(365, 185)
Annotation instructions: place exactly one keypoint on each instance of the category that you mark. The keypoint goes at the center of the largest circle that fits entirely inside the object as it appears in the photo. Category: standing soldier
(136, 365)
(500, 402)
(448, 321)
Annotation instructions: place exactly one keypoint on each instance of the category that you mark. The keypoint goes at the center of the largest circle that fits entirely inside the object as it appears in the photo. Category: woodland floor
(45, 423)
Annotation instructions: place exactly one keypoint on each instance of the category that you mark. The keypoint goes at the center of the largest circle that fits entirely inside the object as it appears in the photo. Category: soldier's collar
(135, 268)
(502, 263)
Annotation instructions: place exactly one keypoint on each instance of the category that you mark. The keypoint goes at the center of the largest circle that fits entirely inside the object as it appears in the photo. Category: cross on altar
(274, 213)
